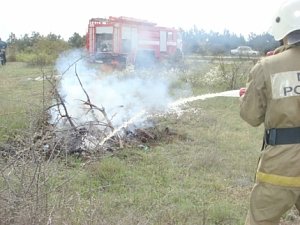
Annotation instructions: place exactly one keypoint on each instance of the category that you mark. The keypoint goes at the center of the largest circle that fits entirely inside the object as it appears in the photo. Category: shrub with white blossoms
(213, 76)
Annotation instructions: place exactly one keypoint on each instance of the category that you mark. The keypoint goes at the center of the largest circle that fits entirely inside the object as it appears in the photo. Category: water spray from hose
(172, 106)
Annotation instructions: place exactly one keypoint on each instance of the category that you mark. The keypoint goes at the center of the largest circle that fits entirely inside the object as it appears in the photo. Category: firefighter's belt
(283, 136)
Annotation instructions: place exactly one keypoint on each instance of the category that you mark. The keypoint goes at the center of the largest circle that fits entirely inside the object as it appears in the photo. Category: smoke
(122, 96)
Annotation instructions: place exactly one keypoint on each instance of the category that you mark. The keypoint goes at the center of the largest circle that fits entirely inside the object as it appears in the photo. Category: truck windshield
(104, 42)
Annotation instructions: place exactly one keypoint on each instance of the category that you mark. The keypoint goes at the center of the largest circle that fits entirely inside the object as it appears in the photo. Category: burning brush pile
(93, 113)
(51, 142)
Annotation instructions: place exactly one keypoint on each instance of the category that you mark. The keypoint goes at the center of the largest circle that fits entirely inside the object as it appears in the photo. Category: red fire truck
(119, 41)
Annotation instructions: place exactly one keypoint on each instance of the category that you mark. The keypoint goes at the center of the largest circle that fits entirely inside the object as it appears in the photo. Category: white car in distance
(244, 51)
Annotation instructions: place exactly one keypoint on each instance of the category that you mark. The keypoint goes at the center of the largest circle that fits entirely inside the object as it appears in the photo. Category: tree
(47, 49)
(76, 41)
(36, 49)
(11, 47)
(263, 42)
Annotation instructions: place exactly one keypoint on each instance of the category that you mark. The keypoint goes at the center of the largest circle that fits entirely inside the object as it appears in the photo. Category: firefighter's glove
(242, 91)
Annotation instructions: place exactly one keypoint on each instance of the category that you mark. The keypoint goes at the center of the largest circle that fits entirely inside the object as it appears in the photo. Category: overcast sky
(65, 17)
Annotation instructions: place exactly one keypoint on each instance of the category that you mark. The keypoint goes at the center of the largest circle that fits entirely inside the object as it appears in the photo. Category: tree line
(199, 41)
(38, 49)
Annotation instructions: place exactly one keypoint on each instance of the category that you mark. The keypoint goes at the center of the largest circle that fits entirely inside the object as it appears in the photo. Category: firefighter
(3, 47)
(272, 98)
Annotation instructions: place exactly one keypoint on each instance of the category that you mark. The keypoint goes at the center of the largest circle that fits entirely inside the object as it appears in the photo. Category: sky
(65, 17)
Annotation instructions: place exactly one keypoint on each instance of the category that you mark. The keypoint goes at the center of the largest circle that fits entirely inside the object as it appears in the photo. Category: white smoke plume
(122, 96)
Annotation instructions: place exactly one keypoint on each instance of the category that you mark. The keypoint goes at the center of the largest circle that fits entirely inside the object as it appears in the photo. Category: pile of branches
(93, 137)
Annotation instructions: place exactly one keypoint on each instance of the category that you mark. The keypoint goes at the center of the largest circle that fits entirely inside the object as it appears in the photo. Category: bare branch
(61, 101)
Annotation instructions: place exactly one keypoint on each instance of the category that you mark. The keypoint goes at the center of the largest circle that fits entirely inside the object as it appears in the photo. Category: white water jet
(233, 93)
(124, 125)
(172, 106)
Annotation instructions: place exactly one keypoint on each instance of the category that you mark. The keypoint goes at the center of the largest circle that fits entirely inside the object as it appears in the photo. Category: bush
(36, 59)
(37, 50)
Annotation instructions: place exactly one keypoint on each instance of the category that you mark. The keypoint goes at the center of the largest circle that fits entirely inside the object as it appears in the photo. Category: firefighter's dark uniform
(3, 47)
(273, 98)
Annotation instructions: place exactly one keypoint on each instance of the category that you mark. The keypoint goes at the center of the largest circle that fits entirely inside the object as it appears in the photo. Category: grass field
(202, 175)
(22, 96)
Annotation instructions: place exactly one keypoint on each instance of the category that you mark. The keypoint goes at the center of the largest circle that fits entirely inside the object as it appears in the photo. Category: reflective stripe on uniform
(278, 180)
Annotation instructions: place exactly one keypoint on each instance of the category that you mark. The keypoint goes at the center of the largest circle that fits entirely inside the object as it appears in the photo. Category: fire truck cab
(119, 41)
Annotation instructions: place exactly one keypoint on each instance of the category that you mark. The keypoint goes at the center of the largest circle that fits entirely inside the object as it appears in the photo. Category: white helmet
(286, 20)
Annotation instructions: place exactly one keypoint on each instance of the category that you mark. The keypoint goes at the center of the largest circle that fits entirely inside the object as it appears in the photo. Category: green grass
(200, 176)
(21, 96)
